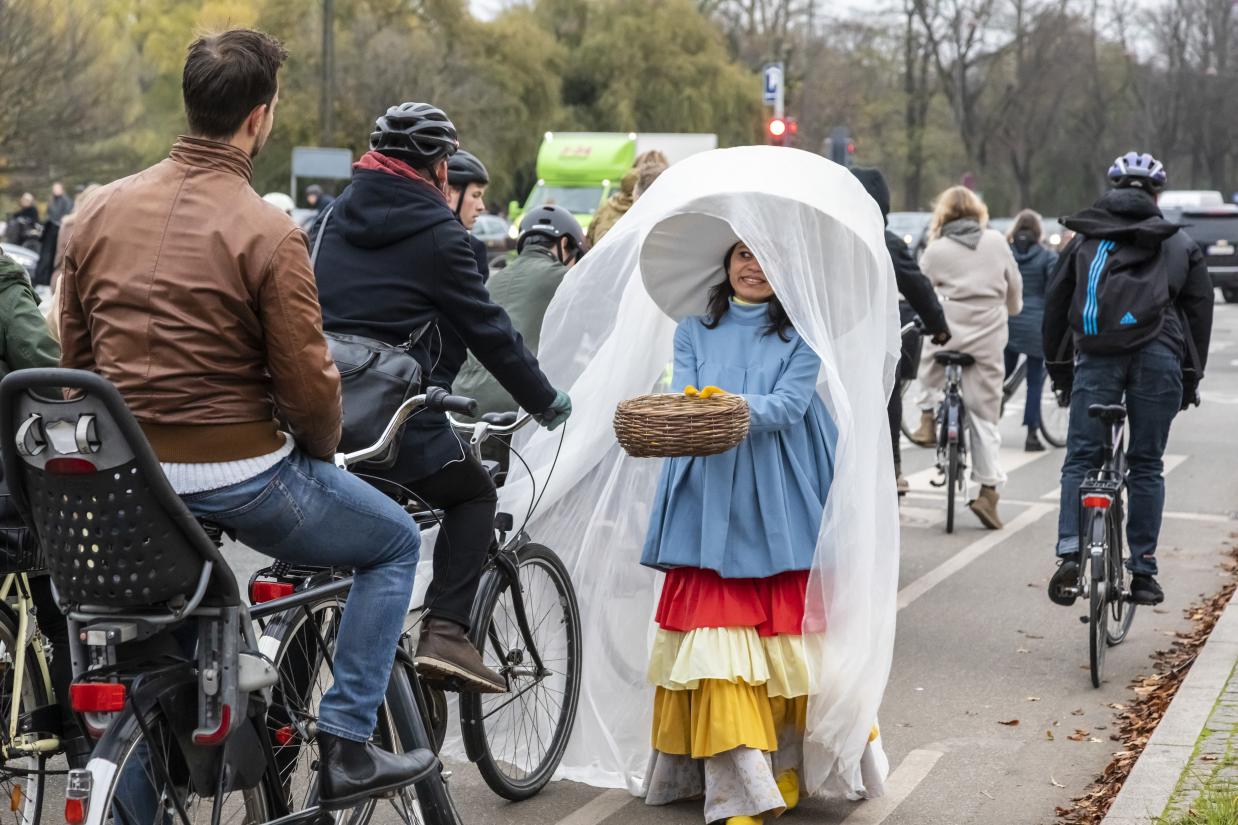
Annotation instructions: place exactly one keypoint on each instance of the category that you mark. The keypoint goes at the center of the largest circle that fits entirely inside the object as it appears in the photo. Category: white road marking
(913, 770)
(1214, 518)
(969, 554)
(600, 807)
(1172, 462)
(1011, 460)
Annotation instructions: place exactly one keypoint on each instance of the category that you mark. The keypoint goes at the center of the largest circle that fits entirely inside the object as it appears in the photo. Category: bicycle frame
(20, 583)
(1105, 486)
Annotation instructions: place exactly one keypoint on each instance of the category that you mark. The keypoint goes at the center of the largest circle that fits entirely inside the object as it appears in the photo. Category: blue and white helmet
(1138, 170)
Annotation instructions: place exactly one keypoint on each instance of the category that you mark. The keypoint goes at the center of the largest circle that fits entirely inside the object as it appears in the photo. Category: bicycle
(28, 708)
(537, 651)
(1102, 573)
(182, 732)
(952, 430)
(1054, 419)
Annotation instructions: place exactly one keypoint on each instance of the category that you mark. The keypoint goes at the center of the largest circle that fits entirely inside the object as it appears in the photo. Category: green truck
(579, 170)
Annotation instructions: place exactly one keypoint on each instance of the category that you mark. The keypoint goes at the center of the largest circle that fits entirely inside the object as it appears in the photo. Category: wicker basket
(672, 425)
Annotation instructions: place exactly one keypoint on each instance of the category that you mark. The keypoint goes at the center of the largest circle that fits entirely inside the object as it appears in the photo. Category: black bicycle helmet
(552, 221)
(415, 132)
(464, 168)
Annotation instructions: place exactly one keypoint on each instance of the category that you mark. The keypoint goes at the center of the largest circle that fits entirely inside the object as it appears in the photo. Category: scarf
(378, 162)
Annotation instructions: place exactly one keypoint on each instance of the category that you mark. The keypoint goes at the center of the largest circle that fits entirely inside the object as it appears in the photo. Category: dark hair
(720, 297)
(226, 76)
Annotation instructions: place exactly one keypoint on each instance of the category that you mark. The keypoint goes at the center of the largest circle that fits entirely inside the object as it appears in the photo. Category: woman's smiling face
(746, 276)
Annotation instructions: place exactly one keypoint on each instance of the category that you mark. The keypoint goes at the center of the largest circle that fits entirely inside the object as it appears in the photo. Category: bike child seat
(953, 358)
(114, 534)
(1109, 413)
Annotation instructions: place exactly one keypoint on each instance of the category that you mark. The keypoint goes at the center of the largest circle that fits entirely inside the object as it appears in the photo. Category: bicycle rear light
(261, 591)
(77, 796)
(220, 733)
(97, 697)
(69, 467)
(1097, 502)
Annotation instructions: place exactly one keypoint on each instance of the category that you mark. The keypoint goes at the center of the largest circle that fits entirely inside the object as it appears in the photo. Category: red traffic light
(777, 127)
(850, 148)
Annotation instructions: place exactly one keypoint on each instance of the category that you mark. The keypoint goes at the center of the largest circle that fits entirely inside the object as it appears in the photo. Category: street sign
(772, 87)
(319, 162)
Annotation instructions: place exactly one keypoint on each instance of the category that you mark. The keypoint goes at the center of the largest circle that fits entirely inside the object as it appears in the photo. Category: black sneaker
(1064, 583)
(1145, 590)
(1033, 443)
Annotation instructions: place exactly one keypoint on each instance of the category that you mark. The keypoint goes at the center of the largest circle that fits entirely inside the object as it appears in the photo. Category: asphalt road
(979, 644)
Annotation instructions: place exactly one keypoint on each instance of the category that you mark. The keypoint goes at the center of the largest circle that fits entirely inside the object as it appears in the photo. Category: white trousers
(986, 445)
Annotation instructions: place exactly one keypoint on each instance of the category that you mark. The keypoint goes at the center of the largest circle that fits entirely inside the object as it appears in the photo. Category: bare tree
(918, 91)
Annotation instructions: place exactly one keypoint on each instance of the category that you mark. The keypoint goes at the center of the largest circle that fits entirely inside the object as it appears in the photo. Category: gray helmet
(552, 221)
(415, 132)
(464, 168)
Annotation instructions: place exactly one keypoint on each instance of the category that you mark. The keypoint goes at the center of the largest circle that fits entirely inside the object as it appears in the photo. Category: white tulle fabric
(608, 336)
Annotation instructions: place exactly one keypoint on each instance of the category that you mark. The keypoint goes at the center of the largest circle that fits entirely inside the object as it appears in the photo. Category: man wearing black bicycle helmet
(393, 258)
(1128, 318)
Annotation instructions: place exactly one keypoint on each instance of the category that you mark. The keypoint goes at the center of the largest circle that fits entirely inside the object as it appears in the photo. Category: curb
(1152, 781)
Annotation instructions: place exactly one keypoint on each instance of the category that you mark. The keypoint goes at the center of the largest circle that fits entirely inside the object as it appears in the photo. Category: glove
(942, 338)
(558, 412)
(1190, 394)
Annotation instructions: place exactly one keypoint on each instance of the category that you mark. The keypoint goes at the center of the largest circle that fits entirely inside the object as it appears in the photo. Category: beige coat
(979, 289)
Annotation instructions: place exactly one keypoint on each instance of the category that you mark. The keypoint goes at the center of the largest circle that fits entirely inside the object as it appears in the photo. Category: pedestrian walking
(975, 274)
(1036, 264)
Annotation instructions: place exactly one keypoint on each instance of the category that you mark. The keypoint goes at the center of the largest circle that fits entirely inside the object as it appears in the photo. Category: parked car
(1190, 199)
(494, 232)
(912, 227)
(28, 258)
(1215, 229)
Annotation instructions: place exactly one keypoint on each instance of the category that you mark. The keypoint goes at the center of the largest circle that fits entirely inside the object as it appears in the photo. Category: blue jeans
(1150, 382)
(1035, 385)
(309, 511)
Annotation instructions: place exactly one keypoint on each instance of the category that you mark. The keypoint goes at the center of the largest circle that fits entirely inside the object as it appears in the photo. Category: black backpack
(1122, 292)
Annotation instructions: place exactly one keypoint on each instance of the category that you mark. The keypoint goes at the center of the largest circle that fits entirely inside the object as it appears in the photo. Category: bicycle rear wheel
(1121, 608)
(1098, 594)
(21, 775)
(952, 482)
(518, 738)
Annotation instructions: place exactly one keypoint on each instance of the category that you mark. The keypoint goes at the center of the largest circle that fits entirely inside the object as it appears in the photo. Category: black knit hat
(876, 185)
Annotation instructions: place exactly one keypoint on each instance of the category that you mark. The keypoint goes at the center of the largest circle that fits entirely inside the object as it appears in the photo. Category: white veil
(819, 238)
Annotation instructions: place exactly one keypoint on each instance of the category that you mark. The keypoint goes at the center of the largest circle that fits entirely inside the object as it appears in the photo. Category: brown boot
(446, 658)
(985, 508)
(926, 435)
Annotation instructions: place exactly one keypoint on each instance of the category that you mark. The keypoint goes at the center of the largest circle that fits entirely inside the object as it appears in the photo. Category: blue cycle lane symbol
(772, 75)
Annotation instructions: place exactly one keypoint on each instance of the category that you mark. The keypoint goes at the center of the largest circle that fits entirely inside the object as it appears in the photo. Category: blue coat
(1036, 264)
(753, 511)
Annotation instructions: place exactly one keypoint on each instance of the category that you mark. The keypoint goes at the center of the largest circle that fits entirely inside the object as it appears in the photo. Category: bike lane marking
(970, 553)
(1009, 459)
(906, 778)
(604, 805)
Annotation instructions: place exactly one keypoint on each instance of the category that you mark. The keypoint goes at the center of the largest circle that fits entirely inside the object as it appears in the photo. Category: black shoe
(447, 659)
(1033, 443)
(1064, 583)
(1145, 590)
(351, 772)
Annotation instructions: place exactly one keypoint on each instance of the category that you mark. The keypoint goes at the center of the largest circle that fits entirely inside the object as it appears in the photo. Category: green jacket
(523, 288)
(25, 340)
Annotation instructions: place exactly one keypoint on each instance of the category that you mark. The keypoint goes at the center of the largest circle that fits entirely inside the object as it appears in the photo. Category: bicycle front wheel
(518, 738)
(21, 774)
(953, 482)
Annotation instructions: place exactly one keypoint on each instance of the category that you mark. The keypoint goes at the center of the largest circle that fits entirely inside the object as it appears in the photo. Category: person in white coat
(978, 280)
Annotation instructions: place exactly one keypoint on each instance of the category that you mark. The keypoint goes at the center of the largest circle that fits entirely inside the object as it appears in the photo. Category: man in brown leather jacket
(197, 300)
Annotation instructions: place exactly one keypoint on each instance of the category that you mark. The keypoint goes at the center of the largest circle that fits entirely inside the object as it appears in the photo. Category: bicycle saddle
(1109, 413)
(505, 419)
(952, 357)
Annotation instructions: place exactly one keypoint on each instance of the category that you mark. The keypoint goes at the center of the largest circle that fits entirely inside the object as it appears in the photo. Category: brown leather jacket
(197, 300)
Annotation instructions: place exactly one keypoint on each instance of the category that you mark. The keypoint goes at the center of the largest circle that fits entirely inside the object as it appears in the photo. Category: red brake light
(1097, 502)
(69, 467)
(220, 733)
(777, 127)
(261, 591)
(75, 811)
(97, 697)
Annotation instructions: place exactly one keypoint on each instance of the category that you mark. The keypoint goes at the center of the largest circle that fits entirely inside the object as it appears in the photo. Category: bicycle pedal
(1083, 619)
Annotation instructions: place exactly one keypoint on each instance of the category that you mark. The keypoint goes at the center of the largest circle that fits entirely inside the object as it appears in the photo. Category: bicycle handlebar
(434, 398)
(465, 428)
(440, 400)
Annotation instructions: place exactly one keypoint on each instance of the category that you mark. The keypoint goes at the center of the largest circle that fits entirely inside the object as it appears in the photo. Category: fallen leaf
(1033, 698)
(1077, 712)
(1033, 636)
(1055, 783)
(1023, 650)
(1117, 706)
(1093, 739)
(1012, 723)
(1079, 735)
(1159, 610)
(986, 793)
(1049, 735)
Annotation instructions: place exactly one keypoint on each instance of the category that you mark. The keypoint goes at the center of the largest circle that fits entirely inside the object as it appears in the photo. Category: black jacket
(393, 257)
(449, 354)
(1124, 245)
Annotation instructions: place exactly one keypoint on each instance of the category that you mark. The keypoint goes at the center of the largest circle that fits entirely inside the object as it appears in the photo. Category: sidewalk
(1195, 746)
